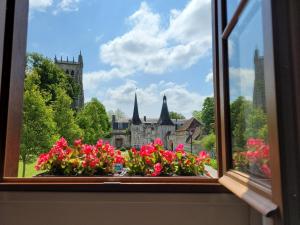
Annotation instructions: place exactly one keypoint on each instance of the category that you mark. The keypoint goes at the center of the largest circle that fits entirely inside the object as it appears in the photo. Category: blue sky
(153, 47)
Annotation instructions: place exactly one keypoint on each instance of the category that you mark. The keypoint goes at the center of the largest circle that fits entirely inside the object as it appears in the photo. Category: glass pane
(231, 7)
(119, 88)
(249, 131)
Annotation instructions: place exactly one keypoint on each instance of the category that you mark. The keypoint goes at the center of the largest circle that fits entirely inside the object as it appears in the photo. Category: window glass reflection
(231, 7)
(249, 131)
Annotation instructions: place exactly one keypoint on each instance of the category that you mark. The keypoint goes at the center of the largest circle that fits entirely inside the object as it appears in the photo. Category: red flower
(168, 155)
(99, 143)
(157, 170)
(180, 147)
(266, 170)
(158, 141)
(87, 149)
(119, 158)
(203, 155)
(62, 143)
(265, 151)
(254, 142)
(77, 143)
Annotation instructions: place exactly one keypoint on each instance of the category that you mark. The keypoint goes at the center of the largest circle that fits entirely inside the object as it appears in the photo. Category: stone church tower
(259, 95)
(74, 69)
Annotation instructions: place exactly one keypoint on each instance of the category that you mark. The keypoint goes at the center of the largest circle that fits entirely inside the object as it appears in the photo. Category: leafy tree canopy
(64, 117)
(175, 115)
(208, 115)
(51, 76)
(39, 130)
(93, 120)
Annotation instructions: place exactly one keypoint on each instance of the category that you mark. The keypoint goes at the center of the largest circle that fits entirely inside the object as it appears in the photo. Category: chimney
(145, 119)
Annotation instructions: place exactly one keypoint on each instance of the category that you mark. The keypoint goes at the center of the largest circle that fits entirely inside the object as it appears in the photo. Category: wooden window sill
(256, 195)
(114, 184)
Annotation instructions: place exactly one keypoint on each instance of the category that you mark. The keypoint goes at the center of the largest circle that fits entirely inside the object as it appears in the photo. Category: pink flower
(254, 142)
(77, 143)
(99, 143)
(203, 155)
(62, 143)
(266, 170)
(119, 158)
(180, 147)
(158, 141)
(87, 149)
(168, 155)
(265, 150)
(157, 170)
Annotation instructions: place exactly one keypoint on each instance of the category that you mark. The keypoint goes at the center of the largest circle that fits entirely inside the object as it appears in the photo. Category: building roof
(187, 124)
(195, 135)
(135, 117)
(164, 118)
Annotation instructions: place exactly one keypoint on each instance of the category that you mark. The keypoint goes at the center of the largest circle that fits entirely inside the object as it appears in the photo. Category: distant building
(75, 70)
(143, 132)
(136, 132)
(259, 94)
(191, 130)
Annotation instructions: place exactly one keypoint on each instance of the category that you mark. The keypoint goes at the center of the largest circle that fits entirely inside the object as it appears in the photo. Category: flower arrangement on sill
(103, 160)
(254, 159)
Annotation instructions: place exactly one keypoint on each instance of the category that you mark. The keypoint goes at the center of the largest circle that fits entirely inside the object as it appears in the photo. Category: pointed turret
(80, 59)
(164, 118)
(135, 117)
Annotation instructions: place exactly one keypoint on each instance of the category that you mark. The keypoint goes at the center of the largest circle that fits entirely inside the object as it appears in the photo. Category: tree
(64, 117)
(38, 128)
(51, 77)
(93, 120)
(239, 110)
(175, 115)
(256, 124)
(209, 142)
(208, 115)
(197, 115)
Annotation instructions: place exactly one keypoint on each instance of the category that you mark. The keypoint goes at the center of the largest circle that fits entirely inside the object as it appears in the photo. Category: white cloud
(209, 77)
(179, 98)
(152, 49)
(60, 5)
(40, 5)
(67, 6)
(241, 82)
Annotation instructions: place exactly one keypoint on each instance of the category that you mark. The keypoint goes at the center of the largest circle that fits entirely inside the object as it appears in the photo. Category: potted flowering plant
(254, 159)
(81, 159)
(153, 160)
(103, 159)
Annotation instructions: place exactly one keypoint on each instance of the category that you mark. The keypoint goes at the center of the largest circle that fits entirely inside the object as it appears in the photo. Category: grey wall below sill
(38, 208)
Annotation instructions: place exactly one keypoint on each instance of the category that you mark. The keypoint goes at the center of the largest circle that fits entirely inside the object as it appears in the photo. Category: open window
(173, 108)
(254, 66)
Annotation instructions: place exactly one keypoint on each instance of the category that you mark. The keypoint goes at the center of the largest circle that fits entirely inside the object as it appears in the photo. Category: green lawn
(29, 169)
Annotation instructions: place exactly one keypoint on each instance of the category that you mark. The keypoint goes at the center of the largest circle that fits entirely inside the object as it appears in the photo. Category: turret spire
(80, 59)
(135, 117)
(164, 118)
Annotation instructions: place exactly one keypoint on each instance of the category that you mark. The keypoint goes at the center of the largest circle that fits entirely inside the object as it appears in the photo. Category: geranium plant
(81, 159)
(103, 159)
(255, 158)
